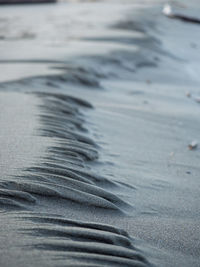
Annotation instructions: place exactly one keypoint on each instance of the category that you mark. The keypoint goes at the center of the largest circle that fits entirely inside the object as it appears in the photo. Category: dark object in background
(186, 19)
(167, 10)
(5, 2)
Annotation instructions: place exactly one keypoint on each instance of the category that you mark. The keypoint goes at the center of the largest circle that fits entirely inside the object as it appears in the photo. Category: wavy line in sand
(63, 173)
(81, 242)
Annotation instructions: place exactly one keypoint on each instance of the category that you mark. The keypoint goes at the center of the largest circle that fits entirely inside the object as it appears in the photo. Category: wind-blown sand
(97, 112)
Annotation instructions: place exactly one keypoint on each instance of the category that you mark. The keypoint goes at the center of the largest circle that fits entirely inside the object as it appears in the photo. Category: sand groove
(81, 242)
(64, 172)
(64, 176)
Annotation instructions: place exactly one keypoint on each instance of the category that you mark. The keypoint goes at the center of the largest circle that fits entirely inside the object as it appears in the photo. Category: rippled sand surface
(99, 102)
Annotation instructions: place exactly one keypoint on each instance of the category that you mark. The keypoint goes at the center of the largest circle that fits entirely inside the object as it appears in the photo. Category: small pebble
(193, 145)
(188, 94)
(148, 81)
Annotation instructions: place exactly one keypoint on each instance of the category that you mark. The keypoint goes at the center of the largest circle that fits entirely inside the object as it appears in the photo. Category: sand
(97, 112)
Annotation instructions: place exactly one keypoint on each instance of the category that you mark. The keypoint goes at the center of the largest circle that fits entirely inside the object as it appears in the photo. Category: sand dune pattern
(64, 175)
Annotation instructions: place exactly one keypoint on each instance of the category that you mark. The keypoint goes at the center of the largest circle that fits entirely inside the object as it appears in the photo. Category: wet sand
(97, 115)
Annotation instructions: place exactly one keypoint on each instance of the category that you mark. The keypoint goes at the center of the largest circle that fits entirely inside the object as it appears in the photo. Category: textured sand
(96, 116)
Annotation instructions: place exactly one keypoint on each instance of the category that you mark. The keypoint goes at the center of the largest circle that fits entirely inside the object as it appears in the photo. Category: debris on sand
(193, 145)
(148, 81)
(188, 94)
(167, 10)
